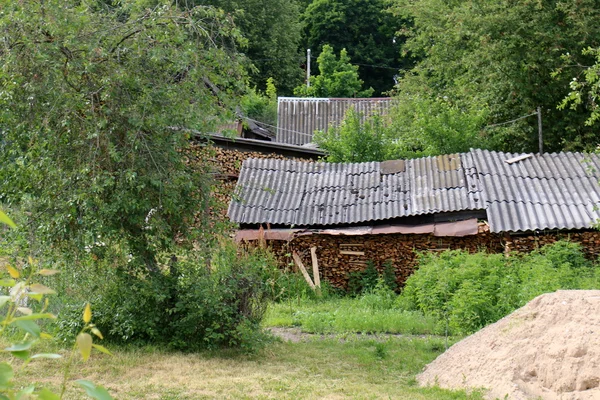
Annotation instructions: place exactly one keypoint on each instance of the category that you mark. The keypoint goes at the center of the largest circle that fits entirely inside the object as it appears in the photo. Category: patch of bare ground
(296, 335)
(548, 349)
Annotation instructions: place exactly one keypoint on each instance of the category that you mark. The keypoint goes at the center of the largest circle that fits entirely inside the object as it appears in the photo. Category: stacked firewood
(590, 241)
(340, 255)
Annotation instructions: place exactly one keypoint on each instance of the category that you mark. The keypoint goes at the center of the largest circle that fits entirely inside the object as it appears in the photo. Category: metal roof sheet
(287, 192)
(547, 191)
(298, 118)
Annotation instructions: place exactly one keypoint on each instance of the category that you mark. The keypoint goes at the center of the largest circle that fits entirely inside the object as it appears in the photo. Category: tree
(365, 29)
(272, 28)
(91, 101)
(585, 91)
(506, 55)
(422, 127)
(355, 140)
(337, 78)
(415, 127)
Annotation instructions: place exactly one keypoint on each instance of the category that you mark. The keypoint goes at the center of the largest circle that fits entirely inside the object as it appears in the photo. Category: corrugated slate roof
(286, 192)
(298, 118)
(547, 191)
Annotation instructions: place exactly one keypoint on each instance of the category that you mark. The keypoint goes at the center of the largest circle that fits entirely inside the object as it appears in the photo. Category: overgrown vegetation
(469, 291)
(453, 293)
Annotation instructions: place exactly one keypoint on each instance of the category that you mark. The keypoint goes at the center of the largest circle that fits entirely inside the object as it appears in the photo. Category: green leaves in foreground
(95, 392)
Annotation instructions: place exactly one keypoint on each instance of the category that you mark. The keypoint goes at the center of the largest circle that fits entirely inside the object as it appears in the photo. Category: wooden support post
(315, 265)
(298, 262)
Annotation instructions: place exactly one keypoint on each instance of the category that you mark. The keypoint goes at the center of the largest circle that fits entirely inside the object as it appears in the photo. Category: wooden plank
(315, 265)
(518, 158)
(352, 253)
(298, 262)
(352, 244)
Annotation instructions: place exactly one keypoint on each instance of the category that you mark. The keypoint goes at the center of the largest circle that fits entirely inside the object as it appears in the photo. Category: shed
(355, 213)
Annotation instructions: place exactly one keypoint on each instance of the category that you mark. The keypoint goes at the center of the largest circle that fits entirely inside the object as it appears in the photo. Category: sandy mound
(549, 349)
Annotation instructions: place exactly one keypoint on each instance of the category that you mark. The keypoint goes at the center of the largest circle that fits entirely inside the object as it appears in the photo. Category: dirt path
(295, 335)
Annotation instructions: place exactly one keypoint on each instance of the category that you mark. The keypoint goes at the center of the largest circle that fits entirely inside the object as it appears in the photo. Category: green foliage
(469, 291)
(90, 99)
(585, 92)
(356, 140)
(337, 78)
(505, 55)
(371, 279)
(202, 303)
(272, 29)
(424, 127)
(377, 311)
(23, 310)
(261, 106)
(365, 29)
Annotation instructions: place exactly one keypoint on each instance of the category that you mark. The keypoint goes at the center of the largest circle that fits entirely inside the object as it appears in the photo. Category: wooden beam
(298, 262)
(315, 265)
(352, 253)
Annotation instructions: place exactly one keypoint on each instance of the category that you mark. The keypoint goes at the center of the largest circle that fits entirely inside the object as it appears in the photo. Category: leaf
(46, 355)
(22, 354)
(97, 332)
(38, 288)
(95, 392)
(87, 313)
(25, 310)
(30, 327)
(36, 296)
(23, 393)
(14, 273)
(48, 272)
(5, 219)
(32, 317)
(19, 346)
(7, 282)
(4, 300)
(102, 349)
(46, 394)
(6, 374)
(45, 335)
(84, 343)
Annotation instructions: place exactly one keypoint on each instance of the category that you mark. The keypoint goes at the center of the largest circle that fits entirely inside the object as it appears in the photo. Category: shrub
(468, 291)
(199, 303)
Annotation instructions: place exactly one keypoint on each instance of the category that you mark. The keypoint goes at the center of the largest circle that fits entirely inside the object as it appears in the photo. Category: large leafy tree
(91, 102)
(337, 78)
(508, 56)
(272, 28)
(365, 29)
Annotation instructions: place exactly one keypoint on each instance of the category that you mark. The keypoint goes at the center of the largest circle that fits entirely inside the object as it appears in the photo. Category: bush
(468, 291)
(200, 303)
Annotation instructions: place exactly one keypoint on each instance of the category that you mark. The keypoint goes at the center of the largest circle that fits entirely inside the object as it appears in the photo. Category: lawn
(334, 363)
(333, 368)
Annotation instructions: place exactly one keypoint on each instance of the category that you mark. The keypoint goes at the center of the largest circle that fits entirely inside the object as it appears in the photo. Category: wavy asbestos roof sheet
(548, 191)
(286, 192)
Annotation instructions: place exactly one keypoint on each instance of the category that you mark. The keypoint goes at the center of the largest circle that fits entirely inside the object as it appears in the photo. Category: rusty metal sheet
(404, 229)
(269, 234)
(448, 162)
(457, 228)
(354, 231)
(392, 167)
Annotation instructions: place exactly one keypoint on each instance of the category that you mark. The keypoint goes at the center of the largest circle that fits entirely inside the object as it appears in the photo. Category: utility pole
(540, 139)
(307, 68)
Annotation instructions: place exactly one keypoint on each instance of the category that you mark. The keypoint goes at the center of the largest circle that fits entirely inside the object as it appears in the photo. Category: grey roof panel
(327, 194)
(548, 191)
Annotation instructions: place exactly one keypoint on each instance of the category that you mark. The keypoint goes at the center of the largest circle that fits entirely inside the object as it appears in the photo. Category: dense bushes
(469, 291)
(199, 303)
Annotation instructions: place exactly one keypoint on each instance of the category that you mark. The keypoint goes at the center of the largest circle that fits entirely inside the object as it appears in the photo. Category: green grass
(355, 367)
(366, 314)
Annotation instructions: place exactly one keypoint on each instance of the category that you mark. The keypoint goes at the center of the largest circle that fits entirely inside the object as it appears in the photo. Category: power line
(511, 121)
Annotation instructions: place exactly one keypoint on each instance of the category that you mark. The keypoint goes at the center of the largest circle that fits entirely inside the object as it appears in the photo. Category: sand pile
(549, 349)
